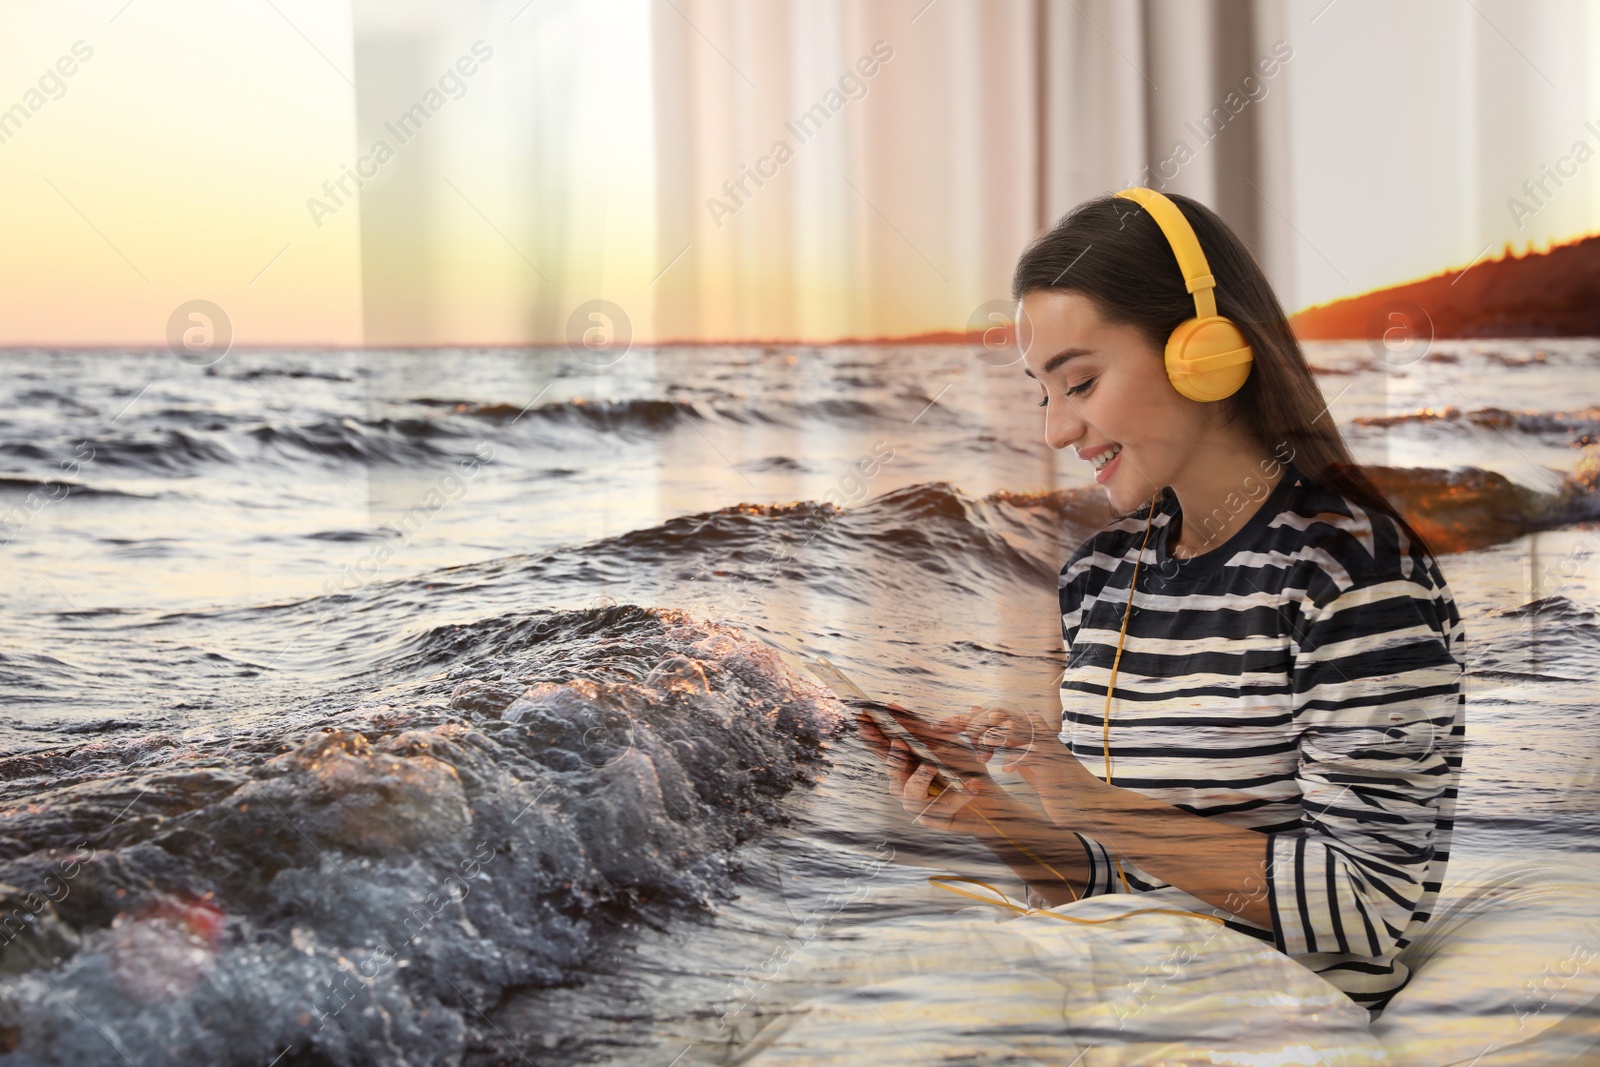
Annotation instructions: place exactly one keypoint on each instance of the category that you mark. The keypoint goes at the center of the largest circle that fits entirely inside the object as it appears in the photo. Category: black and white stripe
(1302, 679)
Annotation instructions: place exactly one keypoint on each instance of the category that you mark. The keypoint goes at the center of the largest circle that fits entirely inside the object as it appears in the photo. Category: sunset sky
(177, 160)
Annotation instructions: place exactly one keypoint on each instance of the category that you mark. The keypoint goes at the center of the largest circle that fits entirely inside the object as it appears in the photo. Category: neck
(1220, 490)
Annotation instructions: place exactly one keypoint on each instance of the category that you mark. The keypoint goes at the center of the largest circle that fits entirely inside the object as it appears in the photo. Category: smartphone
(886, 719)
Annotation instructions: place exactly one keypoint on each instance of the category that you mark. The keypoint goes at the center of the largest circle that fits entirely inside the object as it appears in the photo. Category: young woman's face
(1105, 389)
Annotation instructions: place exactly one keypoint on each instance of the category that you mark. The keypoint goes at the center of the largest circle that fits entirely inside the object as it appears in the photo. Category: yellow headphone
(1207, 356)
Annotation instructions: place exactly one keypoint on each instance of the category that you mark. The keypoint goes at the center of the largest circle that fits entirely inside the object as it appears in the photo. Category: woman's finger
(870, 733)
(993, 718)
(920, 787)
(916, 791)
(1040, 744)
(936, 812)
(916, 784)
(999, 735)
(992, 728)
(970, 722)
(915, 794)
(899, 765)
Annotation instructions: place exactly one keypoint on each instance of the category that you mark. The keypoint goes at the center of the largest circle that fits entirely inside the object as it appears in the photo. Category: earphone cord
(1127, 612)
(944, 881)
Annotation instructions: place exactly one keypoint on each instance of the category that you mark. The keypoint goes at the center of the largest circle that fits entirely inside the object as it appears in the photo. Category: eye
(1081, 388)
(1044, 401)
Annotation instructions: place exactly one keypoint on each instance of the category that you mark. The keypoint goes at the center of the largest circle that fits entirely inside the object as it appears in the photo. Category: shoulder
(1343, 547)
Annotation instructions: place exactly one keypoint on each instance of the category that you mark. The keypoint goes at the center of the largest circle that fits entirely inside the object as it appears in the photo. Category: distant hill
(1541, 294)
(937, 337)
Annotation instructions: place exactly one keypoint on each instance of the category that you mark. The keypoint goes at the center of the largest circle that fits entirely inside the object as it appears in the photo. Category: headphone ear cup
(1208, 359)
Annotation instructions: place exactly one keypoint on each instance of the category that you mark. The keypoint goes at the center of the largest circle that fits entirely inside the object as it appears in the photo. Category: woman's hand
(1019, 736)
(910, 779)
(1031, 747)
(913, 782)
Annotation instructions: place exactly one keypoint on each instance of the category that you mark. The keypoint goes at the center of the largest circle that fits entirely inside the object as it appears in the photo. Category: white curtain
(528, 191)
(907, 192)
(625, 150)
(908, 208)
(1352, 143)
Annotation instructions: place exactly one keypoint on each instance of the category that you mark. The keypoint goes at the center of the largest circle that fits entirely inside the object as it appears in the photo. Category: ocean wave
(167, 450)
(366, 440)
(935, 529)
(186, 440)
(354, 890)
(660, 414)
(349, 536)
(251, 374)
(635, 414)
(61, 489)
(932, 527)
(1457, 510)
(1537, 359)
(1559, 609)
(775, 465)
(1584, 421)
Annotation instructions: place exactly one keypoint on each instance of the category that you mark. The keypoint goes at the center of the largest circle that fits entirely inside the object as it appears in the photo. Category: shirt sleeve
(1103, 876)
(1375, 693)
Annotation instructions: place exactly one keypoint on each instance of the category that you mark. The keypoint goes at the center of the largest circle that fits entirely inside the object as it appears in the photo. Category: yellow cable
(1019, 846)
(1105, 733)
(947, 882)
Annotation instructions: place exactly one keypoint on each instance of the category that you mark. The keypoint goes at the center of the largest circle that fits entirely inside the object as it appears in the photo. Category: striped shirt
(1302, 679)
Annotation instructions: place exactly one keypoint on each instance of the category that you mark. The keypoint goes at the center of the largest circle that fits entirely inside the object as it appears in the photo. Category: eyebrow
(1059, 358)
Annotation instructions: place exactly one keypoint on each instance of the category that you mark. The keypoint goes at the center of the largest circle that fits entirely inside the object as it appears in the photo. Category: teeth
(1106, 457)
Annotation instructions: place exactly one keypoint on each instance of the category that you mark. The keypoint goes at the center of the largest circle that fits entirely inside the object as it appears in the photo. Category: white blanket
(975, 987)
(1509, 977)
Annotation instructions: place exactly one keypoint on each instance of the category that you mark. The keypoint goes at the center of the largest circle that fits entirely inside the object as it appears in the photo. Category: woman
(1266, 724)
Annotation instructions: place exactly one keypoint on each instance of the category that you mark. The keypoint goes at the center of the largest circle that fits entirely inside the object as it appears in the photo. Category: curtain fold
(810, 199)
(843, 169)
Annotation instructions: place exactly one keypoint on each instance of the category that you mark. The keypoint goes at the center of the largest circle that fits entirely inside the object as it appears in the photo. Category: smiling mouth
(1099, 462)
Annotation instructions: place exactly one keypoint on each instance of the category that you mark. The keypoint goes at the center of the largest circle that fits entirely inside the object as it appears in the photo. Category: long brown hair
(1112, 251)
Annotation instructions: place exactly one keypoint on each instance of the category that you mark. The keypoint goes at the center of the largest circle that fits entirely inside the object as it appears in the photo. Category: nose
(1063, 423)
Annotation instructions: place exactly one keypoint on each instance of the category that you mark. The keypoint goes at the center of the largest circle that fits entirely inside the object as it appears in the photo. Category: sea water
(443, 707)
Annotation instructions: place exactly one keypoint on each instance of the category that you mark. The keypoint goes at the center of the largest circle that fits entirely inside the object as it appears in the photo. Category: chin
(1126, 499)
(1122, 503)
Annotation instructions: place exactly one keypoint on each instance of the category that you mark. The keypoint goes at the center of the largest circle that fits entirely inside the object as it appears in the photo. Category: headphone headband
(1197, 277)
(1208, 357)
